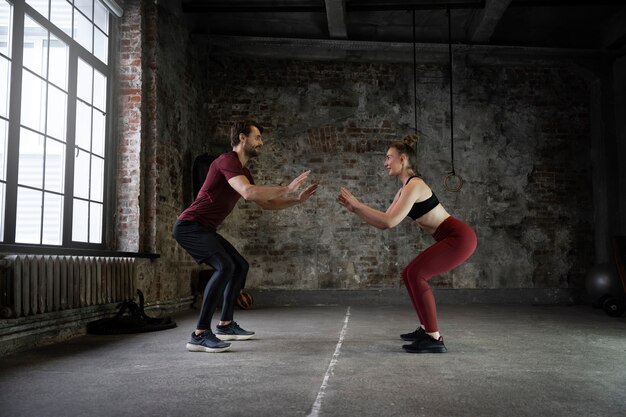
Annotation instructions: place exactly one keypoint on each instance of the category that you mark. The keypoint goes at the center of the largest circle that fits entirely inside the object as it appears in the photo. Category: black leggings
(230, 268)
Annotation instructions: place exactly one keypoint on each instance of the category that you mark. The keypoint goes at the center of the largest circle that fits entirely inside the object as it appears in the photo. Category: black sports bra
(423, 207)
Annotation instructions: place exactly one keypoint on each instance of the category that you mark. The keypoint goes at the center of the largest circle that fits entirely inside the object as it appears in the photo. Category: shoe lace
(210, 336)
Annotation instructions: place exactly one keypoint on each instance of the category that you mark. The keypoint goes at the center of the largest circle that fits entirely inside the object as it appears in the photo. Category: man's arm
(283, 203)
(256, 193)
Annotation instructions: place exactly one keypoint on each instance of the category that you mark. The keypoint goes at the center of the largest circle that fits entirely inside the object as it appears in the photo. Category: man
(226, 182)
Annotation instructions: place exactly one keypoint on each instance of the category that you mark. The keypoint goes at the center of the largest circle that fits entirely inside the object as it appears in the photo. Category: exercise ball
(603, 280)
(244, 300)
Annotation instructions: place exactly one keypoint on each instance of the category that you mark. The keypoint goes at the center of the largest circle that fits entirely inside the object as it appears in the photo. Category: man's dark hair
(242, 126)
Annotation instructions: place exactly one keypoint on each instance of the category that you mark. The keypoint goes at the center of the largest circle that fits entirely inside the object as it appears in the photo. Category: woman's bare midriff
(430, 221)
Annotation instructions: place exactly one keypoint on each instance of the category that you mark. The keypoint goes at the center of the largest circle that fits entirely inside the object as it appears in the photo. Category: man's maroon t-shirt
(216, 199)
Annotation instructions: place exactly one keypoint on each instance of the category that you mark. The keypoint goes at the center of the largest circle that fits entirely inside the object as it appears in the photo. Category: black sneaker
(413, 336)
(232, 331)
(206, 342)
(426, 345)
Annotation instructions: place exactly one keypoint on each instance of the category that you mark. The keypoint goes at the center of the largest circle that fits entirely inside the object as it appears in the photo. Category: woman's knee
(405, 275)
(412, 272)
(417, 277)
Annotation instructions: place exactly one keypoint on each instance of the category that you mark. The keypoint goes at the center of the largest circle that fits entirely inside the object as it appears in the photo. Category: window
(55, 76)
(6, 19)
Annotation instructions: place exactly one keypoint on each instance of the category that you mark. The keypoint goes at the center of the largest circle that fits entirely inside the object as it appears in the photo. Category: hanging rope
(452, 182)
(414, 74)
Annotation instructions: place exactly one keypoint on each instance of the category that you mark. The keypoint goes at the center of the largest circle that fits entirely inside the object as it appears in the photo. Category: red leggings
(455, 243)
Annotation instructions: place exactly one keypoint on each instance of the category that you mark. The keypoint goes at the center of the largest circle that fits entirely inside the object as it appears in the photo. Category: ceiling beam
(336, 16)
(484, 23)
(564, 3)
(614, 35)
(285, 6)
(396, 52)
(198, 6)
(388, 5)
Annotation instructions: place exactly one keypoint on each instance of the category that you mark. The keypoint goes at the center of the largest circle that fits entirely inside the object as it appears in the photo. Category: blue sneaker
(206, 342)
(232, 331)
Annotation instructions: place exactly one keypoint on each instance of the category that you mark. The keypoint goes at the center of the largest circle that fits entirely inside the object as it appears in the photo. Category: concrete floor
(502, 361)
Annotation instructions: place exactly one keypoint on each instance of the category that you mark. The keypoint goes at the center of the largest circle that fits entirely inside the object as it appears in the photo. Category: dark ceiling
(586, 25)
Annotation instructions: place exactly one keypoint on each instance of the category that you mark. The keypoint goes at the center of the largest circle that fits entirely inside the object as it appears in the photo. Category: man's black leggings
(230, 268)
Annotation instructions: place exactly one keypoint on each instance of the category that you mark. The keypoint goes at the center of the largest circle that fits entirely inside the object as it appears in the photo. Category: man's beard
(252, 152)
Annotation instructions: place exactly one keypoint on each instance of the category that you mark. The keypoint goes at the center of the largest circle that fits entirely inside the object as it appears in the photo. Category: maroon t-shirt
(216, 199)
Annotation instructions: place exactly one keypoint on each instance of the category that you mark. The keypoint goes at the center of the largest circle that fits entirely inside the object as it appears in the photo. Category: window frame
(109, 69)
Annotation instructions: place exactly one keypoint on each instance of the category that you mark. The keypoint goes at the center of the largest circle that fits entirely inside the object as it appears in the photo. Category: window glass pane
(83, 31)
(100, 45)
(97, 178)
(55, 166)
(2, 194)
(99, 90)
(85, 76)
(83, 125)
(5, 71)
(35, 47)
(59, 53)
(28, 218)
(86, 7)
(99, 128)
(6, 28)
(30, 159)
(57, 113)
(95, 223)
(52, 219)
(33, 95)
(40, 5)
(81, 174)
(61, 15)
(4, 134)
(80, 224)
(101, 16)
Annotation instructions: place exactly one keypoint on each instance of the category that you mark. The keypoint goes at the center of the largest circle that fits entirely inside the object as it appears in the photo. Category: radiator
(35, 284)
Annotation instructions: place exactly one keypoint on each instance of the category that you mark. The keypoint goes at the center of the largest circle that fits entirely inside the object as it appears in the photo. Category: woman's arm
(395, 199)
(396, 212)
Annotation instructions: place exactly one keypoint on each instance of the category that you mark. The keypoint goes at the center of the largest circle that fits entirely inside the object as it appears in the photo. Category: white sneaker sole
(233, 337)
(197, 348)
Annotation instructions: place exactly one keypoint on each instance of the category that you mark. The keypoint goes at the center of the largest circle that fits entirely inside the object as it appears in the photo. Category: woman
(454, 241)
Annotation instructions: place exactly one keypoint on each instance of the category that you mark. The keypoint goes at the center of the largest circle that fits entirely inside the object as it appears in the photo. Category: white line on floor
(317, 405)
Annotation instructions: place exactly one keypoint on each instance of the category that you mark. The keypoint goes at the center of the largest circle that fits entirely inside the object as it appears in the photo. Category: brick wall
(162, 120)
(130, 84)
(521, 145)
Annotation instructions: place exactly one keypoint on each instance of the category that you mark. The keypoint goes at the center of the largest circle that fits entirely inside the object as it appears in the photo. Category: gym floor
(337, 360)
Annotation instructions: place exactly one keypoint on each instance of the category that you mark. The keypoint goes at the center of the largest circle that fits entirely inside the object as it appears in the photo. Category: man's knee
(222, 264)
(244, 267)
